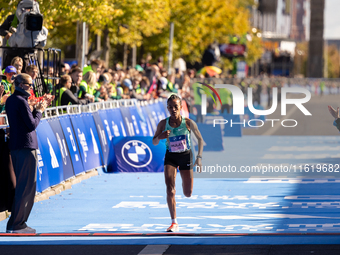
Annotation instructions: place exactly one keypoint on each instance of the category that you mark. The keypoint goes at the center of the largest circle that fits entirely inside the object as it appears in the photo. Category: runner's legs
(170, 181)
(187, 182)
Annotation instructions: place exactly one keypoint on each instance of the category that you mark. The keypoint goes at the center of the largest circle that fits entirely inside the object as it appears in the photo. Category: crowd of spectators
(97, 83)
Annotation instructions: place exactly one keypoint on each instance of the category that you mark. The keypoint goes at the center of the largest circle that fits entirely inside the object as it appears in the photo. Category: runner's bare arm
(160, 134)
(199, 137)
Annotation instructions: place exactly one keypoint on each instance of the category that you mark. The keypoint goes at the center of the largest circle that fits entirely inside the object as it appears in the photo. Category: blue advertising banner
(212, 137)
(50, 153)
(136, 154)
(161, 111)
(165, 106)
(104, 138)
(138, 120)
(128, 121)
(151, 114)
(156, 112)
(42, 172)
(72, 144)
(116, 122)
(151, 124)
(65, 155)
(89, 145)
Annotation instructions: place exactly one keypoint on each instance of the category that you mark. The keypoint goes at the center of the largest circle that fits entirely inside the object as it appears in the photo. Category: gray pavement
(319, 124)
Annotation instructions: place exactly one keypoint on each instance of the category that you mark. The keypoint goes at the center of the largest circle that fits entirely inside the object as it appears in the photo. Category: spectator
(18, 63)
(127, 86)
(7, 83)
(112, 92)
(160, 62)
(67, 68)
(47, 80)
(2, 104)
(115, 79)
(77, 77)
(136, 91)
(95, 67)
(88, 86)
(65, 95)
(32, 70)
(101, 94)
(103, 80)
(23, 146)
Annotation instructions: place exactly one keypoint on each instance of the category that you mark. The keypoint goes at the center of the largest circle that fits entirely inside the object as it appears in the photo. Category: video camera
(30, 31)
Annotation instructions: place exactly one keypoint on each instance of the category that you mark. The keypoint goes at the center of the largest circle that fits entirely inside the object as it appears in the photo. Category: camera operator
(5, 28)
(23, 145)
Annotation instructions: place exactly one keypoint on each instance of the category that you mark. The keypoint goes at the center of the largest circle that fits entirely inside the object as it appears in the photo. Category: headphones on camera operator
(30, 31)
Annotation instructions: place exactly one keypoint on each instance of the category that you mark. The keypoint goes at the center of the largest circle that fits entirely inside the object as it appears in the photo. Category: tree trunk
(316, 44)
(107, 47)
(125, 56)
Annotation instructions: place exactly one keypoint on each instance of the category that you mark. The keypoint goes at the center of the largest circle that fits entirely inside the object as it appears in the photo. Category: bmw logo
(136, 153)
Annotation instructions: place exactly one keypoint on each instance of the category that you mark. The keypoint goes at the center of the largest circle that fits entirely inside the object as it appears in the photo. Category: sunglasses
(26, 83)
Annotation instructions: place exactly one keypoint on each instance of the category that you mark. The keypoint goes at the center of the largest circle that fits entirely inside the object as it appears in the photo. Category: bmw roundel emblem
(136, 153)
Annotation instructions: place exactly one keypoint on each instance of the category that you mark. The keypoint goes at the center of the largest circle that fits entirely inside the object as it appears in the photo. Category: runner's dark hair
(173, 97)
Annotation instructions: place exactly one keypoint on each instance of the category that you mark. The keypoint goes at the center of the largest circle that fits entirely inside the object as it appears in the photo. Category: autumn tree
(146, 22)
(201, 22)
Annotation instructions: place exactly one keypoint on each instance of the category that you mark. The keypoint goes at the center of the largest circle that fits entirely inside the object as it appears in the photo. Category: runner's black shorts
(182, 160)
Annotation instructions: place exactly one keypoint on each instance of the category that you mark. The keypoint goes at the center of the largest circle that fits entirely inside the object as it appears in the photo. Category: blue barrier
(66, 160)
(103, 137)
(89, 144)
(152, 119)
(42, 171)
(139, 122)
(115, 119)
(51, 158)
(127, 121)
(72, 144)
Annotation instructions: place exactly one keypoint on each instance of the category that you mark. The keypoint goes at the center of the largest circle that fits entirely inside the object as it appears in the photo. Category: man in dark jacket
(23, 146)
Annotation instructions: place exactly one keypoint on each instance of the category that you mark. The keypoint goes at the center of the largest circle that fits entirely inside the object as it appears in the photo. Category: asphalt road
(318, 124)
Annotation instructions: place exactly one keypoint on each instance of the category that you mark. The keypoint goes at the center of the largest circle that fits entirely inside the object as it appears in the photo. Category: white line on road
(154, 250)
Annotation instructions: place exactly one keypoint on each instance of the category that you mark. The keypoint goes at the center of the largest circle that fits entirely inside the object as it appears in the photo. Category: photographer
(23, 146)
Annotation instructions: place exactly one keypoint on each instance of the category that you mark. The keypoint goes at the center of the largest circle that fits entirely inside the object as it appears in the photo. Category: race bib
(178, 143)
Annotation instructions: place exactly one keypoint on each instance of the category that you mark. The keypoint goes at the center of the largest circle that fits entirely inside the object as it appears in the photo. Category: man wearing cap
(23, 146)
(7, 83)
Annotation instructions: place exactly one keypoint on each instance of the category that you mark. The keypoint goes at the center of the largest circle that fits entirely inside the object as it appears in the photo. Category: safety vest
(197, 94)
(88, 89)
(87, 69)
(226, 96)
(8, 86)
(114, 90)
(60, 92)
(138, 90)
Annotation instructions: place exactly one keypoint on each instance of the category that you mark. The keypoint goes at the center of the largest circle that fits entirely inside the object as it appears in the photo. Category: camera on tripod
(34, 21)
(30, 32)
